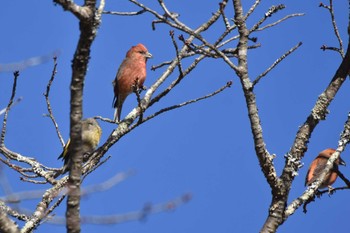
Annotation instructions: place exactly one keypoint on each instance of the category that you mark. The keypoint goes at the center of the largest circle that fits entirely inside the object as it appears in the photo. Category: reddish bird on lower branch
(131, 72)
(318, 165)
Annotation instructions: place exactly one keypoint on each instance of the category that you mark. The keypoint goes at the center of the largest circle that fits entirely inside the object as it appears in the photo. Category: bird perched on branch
(318, 165)
(131, 72)
(91, 134)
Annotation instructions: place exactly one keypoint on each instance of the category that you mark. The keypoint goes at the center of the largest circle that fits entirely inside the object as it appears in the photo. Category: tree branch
(4, 122)
(49, 109)
(276, 63)
(299, 147)
(124, 13)
(335, 27)
(265, 159)
(7, 225)
(90, 19)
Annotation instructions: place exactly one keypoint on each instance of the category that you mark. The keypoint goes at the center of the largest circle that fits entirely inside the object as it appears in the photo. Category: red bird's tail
(117, 114)
(117, 104)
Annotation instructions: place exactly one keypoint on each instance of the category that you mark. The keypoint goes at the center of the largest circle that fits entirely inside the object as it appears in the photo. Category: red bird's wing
(120, 74)
(315, 169)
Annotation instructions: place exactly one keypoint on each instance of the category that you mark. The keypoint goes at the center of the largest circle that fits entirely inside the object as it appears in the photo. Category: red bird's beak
(342, 162)
(148, 55)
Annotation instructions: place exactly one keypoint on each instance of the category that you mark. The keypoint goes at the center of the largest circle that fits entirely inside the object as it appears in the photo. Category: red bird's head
(327, 153)
(138, 51)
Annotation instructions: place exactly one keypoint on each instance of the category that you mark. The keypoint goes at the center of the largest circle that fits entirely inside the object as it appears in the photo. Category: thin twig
(279, 21)
(154, 67)
(49, 109)
(35, 167)
(176, 81)
(179, 64)
(228, 41)
(124, 13)
(276, 63)
(105, 119)
(94, 165)
(341, 176)
(156, 21)
(335, 27)
(228, 84)
(269, 13)
(325, 47)
(251, 10)
(4, 122)
(195, 33)
(52, 208)
(225, 19)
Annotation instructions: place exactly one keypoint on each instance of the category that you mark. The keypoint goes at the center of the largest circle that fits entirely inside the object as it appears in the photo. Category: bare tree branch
(228, 84)
(276, 63)
(279, 21)
(89, 19)
(6, 209)
(177, 54)
(81, 12)
(4, 122)
(252, 8)
(43, 205)
(7, 225)
(335, 27)
(49, 109)
(124, 13)
(269, 13)
(265, 159)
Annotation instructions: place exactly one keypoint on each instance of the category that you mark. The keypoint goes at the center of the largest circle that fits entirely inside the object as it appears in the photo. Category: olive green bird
(91, 134)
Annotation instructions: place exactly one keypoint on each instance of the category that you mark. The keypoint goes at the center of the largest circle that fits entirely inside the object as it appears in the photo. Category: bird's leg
(142, 88)
(318, 194)
(136, 86)
(331, 190)
(137, 90)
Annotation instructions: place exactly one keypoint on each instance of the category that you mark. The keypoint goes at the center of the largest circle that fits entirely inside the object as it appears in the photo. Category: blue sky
(206, 148)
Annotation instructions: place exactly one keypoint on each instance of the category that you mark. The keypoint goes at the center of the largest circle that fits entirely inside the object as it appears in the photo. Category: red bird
(132, 70)
(317, 167)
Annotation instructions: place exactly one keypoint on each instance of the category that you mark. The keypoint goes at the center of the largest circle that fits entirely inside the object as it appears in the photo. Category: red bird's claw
(331, 190)
(318, 194)
(143, 88)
